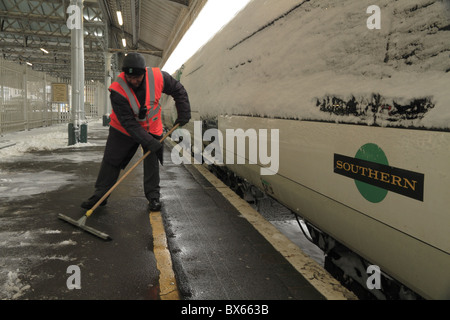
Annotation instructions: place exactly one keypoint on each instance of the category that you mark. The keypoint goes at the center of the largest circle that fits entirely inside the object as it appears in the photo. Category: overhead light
(30, 64)
(43, 50)
(124, 42)
(119, 17)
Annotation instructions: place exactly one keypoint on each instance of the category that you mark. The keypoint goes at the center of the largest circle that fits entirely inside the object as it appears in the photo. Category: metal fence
(27, 98)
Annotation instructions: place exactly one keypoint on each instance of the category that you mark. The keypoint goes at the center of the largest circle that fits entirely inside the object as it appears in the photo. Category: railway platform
(205, 244)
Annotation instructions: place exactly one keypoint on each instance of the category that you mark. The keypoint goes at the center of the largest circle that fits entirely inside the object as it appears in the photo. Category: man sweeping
(136, 120)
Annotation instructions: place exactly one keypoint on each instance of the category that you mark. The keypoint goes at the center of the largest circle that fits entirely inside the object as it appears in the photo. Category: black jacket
(126, 116)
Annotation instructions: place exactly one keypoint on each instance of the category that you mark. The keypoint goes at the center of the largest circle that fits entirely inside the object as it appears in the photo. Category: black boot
(89, 203)
(154, 204)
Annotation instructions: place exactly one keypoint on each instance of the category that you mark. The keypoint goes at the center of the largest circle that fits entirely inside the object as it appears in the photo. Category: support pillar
(75, 23)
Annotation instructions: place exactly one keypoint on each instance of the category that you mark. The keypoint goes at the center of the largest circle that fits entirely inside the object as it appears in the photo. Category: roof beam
(147, 46)
(135, 18)
(151, 52)
(184, 3)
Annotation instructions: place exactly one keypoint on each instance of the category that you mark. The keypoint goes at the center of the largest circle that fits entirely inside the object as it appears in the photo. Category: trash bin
(83, 133)
(106, 120)
(72, 139)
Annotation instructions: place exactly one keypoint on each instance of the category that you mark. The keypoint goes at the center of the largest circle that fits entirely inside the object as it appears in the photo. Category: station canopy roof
(37, 32)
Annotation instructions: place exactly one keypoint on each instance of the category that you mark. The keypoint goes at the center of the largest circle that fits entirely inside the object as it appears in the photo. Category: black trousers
(119, 151)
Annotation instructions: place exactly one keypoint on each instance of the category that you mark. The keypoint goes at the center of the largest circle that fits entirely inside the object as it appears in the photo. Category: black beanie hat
(134, 64)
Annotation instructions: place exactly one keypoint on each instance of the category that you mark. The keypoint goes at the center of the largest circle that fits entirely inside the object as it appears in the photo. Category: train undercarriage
(350, 269)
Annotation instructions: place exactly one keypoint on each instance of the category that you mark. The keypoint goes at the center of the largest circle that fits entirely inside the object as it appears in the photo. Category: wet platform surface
(216, 253)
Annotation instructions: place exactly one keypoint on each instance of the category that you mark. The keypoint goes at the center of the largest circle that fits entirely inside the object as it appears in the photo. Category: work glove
(142, 112)
(154, 145)
(182, 122)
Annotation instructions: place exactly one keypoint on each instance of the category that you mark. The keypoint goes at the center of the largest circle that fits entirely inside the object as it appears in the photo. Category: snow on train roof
(280, 58)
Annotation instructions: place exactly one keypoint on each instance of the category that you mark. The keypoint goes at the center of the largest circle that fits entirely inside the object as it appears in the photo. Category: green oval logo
(371, 152)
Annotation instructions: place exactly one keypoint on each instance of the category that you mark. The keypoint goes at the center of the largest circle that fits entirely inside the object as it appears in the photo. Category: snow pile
(12, 265)
(25, 143)
(13, 287)
(278, 57)
(41, 139)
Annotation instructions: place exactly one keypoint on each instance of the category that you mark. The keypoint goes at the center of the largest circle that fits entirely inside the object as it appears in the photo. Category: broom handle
(89, 212)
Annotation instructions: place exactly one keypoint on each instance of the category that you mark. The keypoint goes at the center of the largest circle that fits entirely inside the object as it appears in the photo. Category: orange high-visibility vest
(154, 86)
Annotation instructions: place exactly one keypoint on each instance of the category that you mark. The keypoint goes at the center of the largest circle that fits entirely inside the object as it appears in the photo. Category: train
(340, 111)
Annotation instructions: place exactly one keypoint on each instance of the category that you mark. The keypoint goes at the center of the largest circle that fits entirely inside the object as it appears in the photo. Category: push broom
(81, 223)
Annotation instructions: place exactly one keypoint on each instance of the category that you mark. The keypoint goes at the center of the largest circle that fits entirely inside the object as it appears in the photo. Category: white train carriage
(343, 110)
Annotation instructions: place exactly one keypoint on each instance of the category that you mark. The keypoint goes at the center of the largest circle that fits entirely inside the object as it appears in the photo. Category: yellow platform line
(167, 283)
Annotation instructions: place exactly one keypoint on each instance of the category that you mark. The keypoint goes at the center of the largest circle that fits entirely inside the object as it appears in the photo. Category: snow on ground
(41, 139)
(14, 265)
(16, 185)
(24, 143)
